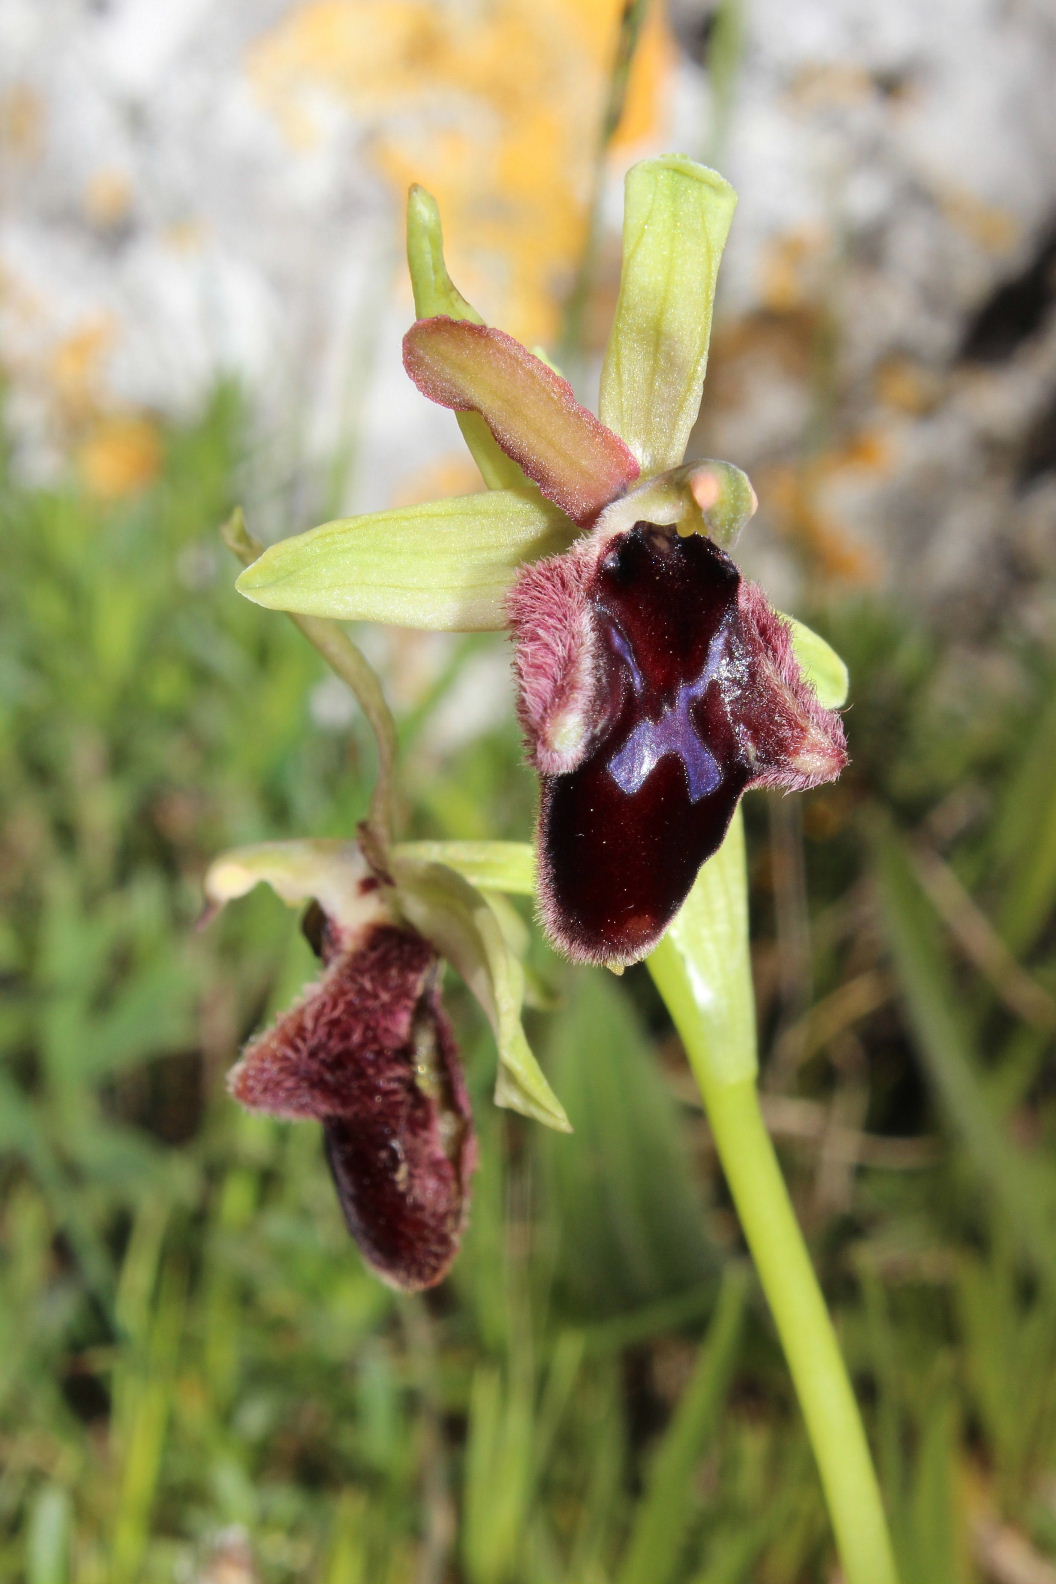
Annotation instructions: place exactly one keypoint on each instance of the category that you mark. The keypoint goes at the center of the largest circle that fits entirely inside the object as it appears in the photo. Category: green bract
(464, 928)
(702, 966)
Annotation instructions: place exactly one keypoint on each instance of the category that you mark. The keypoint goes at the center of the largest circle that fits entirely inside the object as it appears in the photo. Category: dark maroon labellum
(627, 831)
(370, 1054)
(697, 698)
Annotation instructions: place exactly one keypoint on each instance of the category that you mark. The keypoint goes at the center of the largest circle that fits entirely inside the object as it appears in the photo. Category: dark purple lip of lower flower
(691, 708)
(401, 1162)
(369, 1053)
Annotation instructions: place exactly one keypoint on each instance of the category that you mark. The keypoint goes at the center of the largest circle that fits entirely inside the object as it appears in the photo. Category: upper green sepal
(677, 216)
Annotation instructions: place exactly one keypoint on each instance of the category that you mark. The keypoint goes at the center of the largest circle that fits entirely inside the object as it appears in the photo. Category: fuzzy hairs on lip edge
(797, 743)
(555, 657)
(310, 1063)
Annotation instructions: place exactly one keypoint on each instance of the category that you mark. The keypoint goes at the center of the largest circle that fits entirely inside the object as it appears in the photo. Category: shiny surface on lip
(623, 835)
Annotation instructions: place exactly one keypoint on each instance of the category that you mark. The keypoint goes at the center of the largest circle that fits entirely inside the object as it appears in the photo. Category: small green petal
(711, 498)
(445, 565)
(436, 293)
(820, 664)
(492, 865)
(676, 219)
(464, 928)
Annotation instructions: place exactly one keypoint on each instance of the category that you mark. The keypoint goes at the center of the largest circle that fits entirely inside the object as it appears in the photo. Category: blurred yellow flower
(108, 197)
(494, 108)
(76, 364)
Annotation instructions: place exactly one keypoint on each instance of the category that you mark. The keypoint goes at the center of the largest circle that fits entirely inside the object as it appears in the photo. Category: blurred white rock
(191, 191)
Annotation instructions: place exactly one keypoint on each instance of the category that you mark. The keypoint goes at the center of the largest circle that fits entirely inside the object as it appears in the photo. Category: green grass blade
(950, 1062)
(667, 1509)
(49, 1537)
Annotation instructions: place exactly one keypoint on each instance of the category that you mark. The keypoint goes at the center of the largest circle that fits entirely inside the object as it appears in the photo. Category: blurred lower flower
(369, 1053)
(368, 1050)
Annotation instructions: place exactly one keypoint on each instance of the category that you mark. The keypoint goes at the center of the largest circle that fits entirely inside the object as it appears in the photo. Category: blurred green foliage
(192, 1360)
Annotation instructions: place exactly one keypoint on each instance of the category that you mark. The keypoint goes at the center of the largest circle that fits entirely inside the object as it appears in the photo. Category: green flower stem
(702, 970)
(348, 662)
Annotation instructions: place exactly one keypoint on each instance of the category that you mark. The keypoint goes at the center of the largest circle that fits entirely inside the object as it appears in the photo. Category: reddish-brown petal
(532, 412)
(369, 1053)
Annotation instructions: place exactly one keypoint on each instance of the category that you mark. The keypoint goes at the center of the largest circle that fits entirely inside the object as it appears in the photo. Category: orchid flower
(656, 685)
(368, 1051)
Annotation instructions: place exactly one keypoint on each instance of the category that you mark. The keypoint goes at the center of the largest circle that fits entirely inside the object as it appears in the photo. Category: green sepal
(677, 216)
(820, 664)
(446, 564)
(465, 929)
(435, 293)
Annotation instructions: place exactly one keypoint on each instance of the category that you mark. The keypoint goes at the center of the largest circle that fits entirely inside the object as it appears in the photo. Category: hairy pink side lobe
(555, 658)
(370, 1054)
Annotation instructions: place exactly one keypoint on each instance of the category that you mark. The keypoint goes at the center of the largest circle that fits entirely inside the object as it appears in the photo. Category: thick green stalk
(702, 970)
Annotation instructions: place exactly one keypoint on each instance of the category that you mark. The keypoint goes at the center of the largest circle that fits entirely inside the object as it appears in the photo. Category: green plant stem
(348, 662)
(702, 970)
(806, 1332)
(631, 22)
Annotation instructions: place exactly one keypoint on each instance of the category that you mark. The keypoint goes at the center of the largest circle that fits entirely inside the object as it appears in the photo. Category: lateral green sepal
(446, 564)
